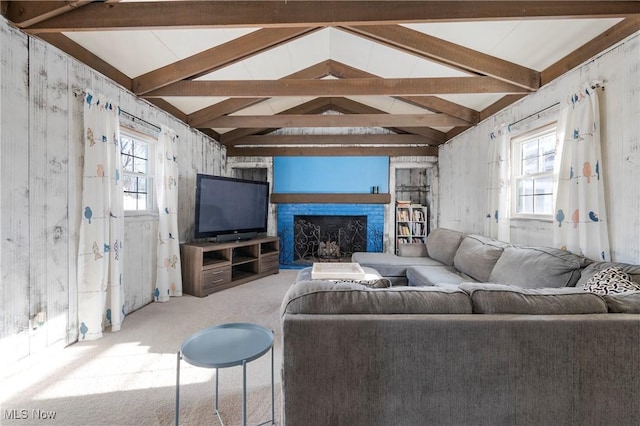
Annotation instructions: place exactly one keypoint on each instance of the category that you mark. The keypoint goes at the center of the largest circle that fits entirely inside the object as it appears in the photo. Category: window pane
(139, 165)
(140, 150)
(547, 162)
(130, 201)
(130, 183)
(543, 204)
(142, 184)
(543, 185)
(525, 204)
(127, 163)
(525, 187)
(547, 144)
(530, 166)
(142, 202)
(126, 145)
(136, 167)
(530, 149)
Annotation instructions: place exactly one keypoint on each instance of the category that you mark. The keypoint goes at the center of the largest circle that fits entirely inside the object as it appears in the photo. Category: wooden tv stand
(211, 267)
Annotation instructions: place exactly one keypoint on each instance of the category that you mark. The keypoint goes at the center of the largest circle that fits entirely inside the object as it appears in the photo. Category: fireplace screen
(322, 238)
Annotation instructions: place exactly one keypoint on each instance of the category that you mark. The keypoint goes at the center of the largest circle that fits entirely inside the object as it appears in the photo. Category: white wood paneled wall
(463, 166)
(41, 156)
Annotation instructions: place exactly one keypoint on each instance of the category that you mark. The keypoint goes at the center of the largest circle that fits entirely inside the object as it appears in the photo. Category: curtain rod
(594, 85)
(134, 119)
(533, 114)
(126, 113)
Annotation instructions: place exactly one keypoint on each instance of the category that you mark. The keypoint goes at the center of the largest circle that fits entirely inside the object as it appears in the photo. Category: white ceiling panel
(278, 62)
(310, 49)
(189, 105)
(476, 101)
(350, 50)
(132, 52)
(535, 44)
(185, 43)
(549, 41)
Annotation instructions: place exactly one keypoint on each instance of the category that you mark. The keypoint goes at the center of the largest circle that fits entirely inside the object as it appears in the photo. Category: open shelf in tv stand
(210, 267)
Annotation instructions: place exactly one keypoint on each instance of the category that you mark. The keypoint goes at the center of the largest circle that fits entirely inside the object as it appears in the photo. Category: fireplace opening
(328, 238)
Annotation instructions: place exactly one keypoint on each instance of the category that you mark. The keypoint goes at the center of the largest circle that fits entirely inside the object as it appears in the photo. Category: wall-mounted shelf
(354, 198)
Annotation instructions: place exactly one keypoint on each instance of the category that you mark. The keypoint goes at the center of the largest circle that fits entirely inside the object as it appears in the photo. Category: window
(137, 169)
(533, 160)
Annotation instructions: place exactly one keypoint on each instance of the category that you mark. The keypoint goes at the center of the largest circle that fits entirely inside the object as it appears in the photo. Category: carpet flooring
(129, 377)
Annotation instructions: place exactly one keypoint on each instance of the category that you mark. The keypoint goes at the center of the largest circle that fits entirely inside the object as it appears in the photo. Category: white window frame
(517, 173)
(151, 205)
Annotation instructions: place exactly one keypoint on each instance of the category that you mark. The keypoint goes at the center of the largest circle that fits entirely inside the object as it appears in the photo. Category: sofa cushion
(442, 244)
(390, 265)
(506, 299)
(477, 255)
(432, 275)
(328, 297)
(537, 267)
(412, 250)
(623, 303)
(632, 270)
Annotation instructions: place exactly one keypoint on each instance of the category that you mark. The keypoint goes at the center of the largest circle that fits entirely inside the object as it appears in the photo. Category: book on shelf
(403, 229)
(403, 215)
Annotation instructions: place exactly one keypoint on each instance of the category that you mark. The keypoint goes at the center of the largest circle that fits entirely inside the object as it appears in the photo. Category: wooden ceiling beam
(349, 106)
(26, 13)
(218, 57)
(211, 14)
(336, 120)
(391, 151)
(352, 139)
(450, 54)
(337, 87)
(202, 117)
(314, 106)
(436, 104)
(431, 103)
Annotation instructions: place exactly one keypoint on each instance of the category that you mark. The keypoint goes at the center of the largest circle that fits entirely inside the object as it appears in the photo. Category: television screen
(230, 208)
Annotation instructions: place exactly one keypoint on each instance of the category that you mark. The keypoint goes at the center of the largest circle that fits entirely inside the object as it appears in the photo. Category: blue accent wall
(330, 174)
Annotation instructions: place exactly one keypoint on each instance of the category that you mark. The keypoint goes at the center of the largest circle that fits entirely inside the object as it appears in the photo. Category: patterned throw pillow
(609, 281)
(377, 283)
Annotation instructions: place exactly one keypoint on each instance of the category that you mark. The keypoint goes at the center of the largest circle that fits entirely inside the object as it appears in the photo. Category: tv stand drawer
(214, 277)
(269, 263)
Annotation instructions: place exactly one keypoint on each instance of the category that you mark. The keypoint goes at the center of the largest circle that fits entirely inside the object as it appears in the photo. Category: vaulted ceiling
(238, 70)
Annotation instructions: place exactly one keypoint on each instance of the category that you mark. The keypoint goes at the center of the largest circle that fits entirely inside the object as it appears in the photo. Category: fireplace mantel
(337, 198)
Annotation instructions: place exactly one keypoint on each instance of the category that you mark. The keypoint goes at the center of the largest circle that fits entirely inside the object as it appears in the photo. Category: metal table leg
(216, 400)
(177, 408)
(244, 393)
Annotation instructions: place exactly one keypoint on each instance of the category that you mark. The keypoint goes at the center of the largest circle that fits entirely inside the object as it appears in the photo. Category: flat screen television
(229, 209)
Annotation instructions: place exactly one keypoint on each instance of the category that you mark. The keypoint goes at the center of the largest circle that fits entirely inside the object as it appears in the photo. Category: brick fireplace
(321, 232)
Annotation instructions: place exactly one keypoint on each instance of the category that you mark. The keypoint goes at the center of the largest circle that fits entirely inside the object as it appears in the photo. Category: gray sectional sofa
(524, 347)
(451, 257)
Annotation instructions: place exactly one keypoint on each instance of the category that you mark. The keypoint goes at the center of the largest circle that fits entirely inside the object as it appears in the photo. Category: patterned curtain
(581, 219)
(168, 276)
(497, 223)
(100, 251)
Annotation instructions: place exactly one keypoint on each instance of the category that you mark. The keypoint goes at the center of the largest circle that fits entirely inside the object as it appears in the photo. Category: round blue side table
(223, 346)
